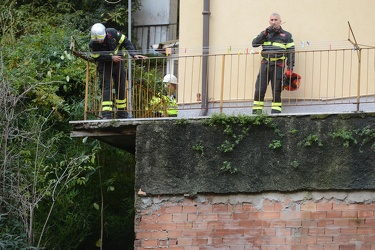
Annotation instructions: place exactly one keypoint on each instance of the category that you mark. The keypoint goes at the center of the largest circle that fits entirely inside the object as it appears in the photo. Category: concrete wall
(301, 182)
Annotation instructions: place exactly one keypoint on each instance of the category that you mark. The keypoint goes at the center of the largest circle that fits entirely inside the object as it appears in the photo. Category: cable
(112, 2)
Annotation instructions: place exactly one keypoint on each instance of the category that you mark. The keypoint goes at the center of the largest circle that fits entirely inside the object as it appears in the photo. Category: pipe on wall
(205, 51)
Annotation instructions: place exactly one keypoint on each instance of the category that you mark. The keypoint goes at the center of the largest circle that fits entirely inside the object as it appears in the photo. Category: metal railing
(148, 35)
(333, 81)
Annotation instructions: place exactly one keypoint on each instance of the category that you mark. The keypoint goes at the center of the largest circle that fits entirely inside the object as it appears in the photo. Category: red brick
(246, 223)
(215, 225)
(292, 240)
(341, 222)
(324, 206)
(247, 207)
(370, 222)
(269, 231)
(293, 223)
(143, 235)
(189, 233)
(308, 240)
(348, 231)
(325, 223)
(345, 239)
(324, 239)
(318, 214)
(283, 232)
(159, 235)
(253, 232)
(309, 223)
(184, 241)
(365, 214)
(268, 205)
(332, 231)
(173, 209)
(241, 216)
(365, 230)
(199, 225)
(175, 233)
(189, 209)
(349, 214)
(340, 206)
(179, 217)
(226, 216)
(356, 222)
(219, 208)
(200, 242)
(192, 217)
(278, 223)
(255, 215)
(150, 243)
(271, 215)
(347, 247)
(164, 218)
(184, 225)
(277, 240)
(334, 214)
(309, 206)
(315, 231)
(369, 239)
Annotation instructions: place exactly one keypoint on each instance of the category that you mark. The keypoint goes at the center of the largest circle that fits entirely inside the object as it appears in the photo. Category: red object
(291, 82)
(288, 73)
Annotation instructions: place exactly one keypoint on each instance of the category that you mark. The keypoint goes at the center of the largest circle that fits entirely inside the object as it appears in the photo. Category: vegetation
(56, 192)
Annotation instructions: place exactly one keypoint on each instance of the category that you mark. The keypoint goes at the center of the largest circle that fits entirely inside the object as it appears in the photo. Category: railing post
(222, 84)
(86, 90)
(359, 78)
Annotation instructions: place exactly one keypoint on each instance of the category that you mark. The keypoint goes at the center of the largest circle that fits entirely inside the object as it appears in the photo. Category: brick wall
(303, 220)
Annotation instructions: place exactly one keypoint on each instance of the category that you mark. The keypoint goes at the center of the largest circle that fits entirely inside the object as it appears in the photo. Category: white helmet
(98, 32)
(170, 79)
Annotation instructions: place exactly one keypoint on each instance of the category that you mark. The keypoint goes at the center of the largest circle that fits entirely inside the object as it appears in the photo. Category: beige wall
(316, 25)
(236, 23)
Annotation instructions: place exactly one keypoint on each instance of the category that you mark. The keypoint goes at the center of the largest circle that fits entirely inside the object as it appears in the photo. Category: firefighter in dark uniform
(277, 53)
(106, 48)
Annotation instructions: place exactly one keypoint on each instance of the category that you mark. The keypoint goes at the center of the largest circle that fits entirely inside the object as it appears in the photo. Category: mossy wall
(252, 154)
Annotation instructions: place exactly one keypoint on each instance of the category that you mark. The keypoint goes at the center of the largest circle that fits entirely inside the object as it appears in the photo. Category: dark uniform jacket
(276, 47)
(113, 44)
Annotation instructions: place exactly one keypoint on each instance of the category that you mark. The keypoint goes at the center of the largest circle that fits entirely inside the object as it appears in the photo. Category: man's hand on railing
(140, 57)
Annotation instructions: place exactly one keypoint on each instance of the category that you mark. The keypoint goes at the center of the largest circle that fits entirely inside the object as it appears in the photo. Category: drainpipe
(205, 50)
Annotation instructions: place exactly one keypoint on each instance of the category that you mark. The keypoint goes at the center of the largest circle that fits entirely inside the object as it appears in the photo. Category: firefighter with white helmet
(165, 104)
(106, 46)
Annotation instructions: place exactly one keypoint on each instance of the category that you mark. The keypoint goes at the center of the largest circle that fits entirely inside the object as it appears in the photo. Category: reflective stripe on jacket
(277, 46)
(112, 45)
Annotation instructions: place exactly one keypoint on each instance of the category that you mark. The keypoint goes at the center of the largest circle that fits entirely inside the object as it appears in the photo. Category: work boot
(107, 115)
(121, 114)
(275, 111)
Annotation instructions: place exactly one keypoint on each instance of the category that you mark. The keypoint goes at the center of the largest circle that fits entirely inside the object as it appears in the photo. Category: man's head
(275, 21)
(98, 32)
(170, 81)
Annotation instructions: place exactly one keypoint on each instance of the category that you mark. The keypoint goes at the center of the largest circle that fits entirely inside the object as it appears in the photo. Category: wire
(112, 2)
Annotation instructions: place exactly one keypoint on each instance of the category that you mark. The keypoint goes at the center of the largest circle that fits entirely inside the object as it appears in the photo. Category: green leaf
(96, 206)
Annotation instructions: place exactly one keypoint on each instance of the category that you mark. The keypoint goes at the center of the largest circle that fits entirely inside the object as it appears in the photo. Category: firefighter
(106, 48)
(166, 104)
(277, 53)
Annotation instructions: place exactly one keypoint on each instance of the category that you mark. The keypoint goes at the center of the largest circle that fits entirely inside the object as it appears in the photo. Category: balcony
(333, 81)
